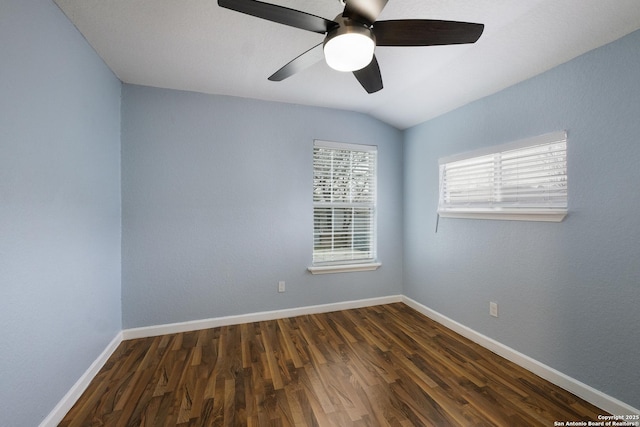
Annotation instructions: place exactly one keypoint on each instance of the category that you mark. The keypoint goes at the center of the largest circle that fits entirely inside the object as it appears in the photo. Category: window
(525, 180)
(344, 207)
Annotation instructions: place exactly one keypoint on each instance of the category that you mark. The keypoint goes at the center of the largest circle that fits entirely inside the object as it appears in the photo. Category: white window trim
(522, 216)
(544, 215)
(343, 268)
(347, 266)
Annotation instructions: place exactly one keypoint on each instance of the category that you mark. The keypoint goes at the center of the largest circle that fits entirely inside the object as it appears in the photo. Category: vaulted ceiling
(196, 45)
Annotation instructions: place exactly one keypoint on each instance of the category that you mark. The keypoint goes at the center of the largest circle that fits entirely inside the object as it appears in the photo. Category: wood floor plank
(386, 365)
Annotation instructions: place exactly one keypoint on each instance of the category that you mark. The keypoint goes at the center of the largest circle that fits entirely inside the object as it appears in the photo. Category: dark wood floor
(377, 366)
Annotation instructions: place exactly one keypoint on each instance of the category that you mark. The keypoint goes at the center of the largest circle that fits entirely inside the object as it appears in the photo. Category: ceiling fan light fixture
(351, 37)
(349, 48)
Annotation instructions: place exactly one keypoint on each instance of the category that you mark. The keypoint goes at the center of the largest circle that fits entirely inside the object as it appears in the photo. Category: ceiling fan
(350, 39)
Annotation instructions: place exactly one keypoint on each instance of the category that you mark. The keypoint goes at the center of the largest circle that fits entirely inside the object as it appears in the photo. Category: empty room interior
(303, 250)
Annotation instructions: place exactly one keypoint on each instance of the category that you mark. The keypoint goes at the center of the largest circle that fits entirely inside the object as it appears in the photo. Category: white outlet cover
(493, 309)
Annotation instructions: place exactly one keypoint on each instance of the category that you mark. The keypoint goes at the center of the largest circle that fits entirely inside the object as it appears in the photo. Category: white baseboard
(69, 399)
(584, 391)
(172, 328)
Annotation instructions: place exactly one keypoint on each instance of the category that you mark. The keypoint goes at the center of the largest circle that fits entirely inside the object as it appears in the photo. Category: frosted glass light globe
(349, 52)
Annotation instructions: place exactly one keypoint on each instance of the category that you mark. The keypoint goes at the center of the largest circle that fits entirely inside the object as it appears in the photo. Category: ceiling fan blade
(280, 14)
(425, 32)
(307, 59)
(363, 10)
(369, 77)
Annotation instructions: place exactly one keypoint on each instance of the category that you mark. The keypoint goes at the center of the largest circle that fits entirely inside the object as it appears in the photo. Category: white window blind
(344, 203)
(522, 180)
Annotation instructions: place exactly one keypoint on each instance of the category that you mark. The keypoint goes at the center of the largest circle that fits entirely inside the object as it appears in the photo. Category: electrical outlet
(493, 309)
(281, 286)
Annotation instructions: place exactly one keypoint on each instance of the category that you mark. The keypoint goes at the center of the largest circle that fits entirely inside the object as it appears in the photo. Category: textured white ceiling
(195, 45)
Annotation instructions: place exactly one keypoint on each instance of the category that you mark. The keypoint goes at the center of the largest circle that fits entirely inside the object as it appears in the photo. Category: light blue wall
(568, 293)
(217, 206)
(59, 208)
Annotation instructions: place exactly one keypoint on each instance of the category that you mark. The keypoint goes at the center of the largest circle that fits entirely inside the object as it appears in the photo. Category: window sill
(509, 216)
(344, 268)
